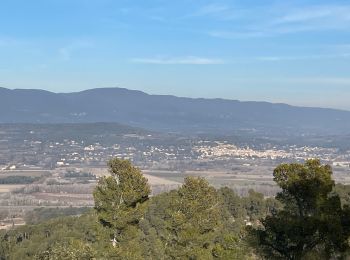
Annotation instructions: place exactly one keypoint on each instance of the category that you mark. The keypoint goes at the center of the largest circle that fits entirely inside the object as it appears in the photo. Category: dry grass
(153, 180)
(10, 187)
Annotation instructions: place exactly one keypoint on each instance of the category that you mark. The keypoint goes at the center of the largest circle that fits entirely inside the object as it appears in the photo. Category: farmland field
(8, 188)
(27, 173)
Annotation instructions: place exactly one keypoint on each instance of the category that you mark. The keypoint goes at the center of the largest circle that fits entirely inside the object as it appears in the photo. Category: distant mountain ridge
(168, 113)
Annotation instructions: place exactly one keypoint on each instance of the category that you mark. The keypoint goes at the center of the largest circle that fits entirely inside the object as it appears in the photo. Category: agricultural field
(14, 180)
(74, 186)
(27, 173)
(4, 188)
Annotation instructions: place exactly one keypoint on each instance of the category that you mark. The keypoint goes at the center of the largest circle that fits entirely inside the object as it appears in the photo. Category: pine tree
(121, 202)
(194, 220)
(312, 222)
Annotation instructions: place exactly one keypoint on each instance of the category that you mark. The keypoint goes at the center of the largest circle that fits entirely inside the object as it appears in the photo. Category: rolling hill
(169, 113)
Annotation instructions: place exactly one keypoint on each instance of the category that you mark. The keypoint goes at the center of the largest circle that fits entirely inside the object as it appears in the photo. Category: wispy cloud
(218, 11)
(321, 81)
(335, 13)
(156, 14)
(269, 21)
(313, 18)
(236, 34)
(305, 57)
(65, 53)
(188, 60)
(212, 9)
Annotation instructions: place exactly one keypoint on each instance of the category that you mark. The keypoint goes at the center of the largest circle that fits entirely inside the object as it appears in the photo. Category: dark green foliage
(256, 206)
(18, 180)
(344, 193)
(312, 221)
(233, 203)
(80, 175)
(252, 208)
(155, 225)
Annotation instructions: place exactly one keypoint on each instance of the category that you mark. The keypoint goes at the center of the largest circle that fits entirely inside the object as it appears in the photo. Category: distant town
(152, 151)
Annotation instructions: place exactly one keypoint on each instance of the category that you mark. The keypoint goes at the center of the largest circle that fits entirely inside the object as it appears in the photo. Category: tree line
(18, 180)
(308, 219)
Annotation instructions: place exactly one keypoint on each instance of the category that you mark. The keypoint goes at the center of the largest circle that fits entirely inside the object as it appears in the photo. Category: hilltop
(169, 113)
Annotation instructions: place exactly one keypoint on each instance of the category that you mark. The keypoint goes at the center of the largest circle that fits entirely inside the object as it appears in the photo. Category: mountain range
(169, 113)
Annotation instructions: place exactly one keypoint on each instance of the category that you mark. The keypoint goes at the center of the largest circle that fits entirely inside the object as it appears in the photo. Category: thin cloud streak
(221, 12)
(212, 9)
(189, 60)
(315, 13)
(306, 57)
(340, 81)
(236, 34)
(268, 22)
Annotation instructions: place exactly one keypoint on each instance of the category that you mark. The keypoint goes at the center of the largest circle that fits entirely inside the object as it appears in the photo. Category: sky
(289, 51)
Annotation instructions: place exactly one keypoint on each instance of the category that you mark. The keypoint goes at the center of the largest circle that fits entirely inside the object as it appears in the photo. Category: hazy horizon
(193, 97)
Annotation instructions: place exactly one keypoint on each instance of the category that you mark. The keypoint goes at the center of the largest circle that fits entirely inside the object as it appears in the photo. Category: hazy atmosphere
(184, 129)
(295, 52)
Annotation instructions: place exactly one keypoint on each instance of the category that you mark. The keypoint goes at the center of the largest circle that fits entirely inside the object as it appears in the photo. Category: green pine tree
(312, 224)
(194, 220)
(121, 202)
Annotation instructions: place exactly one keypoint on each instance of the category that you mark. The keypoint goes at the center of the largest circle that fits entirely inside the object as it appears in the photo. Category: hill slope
(168, 113)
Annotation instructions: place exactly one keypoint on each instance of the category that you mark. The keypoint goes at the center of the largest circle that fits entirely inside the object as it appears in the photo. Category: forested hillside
(308, 219)
(169, 113)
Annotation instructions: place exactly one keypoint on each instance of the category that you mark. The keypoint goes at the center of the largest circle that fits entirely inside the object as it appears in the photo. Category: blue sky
(296, 52)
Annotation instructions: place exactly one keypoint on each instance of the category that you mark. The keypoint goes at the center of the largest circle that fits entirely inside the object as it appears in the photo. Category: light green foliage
(72, 250)
(120, 202)
(29, 241)
(229, 246)
(194, 220)
(119, 198)
(312, 221)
